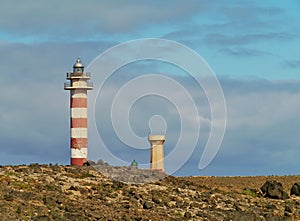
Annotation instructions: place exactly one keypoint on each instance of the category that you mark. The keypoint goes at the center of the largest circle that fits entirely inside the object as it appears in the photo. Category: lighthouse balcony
(78, 75)
(86, 86)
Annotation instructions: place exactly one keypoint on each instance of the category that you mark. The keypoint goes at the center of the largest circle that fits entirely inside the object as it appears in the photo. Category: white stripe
(80, 83)
(79, 133)
(79, 112)
(77, 94)
(82, 153)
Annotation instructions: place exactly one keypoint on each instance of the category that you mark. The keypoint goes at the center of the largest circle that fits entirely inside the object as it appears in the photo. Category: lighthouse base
(78, 161)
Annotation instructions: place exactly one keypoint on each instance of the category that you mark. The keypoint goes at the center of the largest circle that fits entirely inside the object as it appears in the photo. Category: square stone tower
(157, 152)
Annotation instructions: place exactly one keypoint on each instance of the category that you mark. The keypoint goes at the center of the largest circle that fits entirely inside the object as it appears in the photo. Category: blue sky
(252, 47)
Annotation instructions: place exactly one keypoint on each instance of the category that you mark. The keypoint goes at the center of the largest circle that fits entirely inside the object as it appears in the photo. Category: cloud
(249, 12)
(34, 111)
(75, 20)
(243, 52)
(242, 39)
(261, 136)
(262, 123)
(45, 61)
(262, 114)
(34, 107)
(291, 64)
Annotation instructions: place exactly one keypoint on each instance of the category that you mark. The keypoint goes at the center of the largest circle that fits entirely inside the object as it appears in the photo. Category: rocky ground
(52, 192)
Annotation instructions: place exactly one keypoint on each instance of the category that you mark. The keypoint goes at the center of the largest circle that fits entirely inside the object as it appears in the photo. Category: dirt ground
(238, 183)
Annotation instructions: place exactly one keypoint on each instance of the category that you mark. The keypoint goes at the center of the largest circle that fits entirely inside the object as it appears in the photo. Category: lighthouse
(78, 86)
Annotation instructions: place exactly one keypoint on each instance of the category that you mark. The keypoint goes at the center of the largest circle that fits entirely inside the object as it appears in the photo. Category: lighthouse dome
(78, 64)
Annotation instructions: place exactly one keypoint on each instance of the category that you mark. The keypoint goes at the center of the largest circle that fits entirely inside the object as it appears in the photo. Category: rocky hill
(52, 192)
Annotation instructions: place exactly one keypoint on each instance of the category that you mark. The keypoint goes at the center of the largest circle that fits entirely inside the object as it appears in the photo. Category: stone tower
(157, 152)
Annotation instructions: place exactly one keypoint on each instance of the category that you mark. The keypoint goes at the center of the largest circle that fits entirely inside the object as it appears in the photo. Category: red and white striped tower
(79, 85)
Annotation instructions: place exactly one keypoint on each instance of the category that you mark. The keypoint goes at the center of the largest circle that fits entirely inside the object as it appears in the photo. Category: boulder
(274, 190)
(147, 205)
(295, 190)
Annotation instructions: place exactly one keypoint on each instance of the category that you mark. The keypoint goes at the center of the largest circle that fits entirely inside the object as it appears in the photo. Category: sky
(251, 46)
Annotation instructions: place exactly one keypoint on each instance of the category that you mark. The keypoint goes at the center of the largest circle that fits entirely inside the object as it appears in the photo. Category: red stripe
(78, 143)
(78, 161)
(79, 102)
(79, 122)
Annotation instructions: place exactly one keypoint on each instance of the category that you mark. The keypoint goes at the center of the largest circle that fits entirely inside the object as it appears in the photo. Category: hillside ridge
(53, 192)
